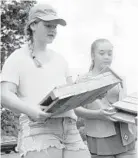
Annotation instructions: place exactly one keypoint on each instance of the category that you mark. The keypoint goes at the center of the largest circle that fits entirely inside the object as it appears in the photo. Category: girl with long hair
(106, 137)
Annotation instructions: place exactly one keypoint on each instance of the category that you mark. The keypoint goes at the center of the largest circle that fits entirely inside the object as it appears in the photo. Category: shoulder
(17, 55)
(12, 66)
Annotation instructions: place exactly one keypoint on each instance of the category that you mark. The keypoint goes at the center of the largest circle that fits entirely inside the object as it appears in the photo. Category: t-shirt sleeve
(68, 75)
(10, 70)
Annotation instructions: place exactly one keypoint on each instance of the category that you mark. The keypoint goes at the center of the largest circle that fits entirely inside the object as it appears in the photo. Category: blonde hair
(29, 37)
(93, 47)
(28, 31)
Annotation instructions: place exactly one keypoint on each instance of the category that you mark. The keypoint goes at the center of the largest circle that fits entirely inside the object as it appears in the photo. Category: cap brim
(53, 18)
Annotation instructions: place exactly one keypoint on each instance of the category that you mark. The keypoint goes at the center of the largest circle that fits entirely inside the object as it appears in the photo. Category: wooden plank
(126, 106)
(123, 117)
(127, 109)
(134, 95)
(131, 100)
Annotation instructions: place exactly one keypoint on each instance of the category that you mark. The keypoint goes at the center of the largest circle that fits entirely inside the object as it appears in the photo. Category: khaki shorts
(128, 154)
(61, 133)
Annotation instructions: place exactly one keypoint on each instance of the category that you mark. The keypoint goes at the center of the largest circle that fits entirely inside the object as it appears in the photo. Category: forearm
(86, 113)
(11, 101)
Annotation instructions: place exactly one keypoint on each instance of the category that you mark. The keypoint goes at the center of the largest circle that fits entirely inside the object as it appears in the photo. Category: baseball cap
(44, 12)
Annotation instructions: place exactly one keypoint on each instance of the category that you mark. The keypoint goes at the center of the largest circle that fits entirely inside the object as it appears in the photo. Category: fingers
(43, 117)
(110, 110)
(112, 119)
(45, 114)
(44, 108)
(48, 116)
(109, 113)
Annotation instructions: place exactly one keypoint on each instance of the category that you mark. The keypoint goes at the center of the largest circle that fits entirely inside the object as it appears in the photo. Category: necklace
(36, 61)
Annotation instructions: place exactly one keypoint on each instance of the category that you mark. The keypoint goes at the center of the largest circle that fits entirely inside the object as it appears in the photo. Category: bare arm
(86, 113)
(100, 114)
(10, 100)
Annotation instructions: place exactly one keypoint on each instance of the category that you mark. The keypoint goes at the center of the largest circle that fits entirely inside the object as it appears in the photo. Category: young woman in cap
(106, 138)
(28, 75)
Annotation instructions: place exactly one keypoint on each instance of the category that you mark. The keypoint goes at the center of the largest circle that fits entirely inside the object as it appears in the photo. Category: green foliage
(9, 123)
(13, 18)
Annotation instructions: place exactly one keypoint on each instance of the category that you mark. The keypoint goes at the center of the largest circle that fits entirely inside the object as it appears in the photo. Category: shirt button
(126, 137)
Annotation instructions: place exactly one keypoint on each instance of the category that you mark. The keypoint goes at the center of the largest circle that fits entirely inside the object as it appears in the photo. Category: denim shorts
(61, 133)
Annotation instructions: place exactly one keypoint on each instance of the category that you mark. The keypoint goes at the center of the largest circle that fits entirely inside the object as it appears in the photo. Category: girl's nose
(53, 29)
(106, 56)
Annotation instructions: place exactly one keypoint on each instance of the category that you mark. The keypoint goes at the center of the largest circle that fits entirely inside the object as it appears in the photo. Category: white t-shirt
(35, 83)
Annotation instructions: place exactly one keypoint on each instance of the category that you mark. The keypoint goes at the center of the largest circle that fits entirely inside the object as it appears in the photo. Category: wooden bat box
(70, 96)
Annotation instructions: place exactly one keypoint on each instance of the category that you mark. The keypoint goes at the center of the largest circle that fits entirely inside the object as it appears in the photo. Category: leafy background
(13, 18)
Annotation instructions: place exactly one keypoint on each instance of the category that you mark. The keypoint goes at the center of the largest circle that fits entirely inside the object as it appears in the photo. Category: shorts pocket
(72, 127)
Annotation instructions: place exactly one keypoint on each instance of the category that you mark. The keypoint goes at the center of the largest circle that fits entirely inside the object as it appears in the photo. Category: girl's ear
(33, 26)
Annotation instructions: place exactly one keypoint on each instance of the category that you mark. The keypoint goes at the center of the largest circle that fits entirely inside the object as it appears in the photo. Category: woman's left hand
(111, 111)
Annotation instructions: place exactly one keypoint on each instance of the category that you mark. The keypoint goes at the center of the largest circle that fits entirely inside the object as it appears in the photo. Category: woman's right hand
(106, 114)
(38, 114)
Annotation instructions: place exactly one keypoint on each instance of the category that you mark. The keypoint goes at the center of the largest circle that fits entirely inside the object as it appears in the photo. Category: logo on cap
(50, 11)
